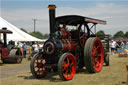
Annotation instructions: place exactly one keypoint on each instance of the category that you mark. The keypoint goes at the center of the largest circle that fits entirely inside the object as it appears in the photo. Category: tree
(45, 36)
(23, 30)
(126, 34)
(101, 32)
(37, 35)
(119, 34)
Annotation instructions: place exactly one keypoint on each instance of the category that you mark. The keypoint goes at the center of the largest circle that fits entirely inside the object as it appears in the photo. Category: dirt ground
(115, 74)
(7, 70)
(11, 71)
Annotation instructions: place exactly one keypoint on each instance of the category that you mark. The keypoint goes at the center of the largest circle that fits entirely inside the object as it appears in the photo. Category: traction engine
(70, 47)
(8, 52)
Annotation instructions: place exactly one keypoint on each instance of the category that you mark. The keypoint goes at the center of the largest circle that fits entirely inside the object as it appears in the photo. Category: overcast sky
(22, 12)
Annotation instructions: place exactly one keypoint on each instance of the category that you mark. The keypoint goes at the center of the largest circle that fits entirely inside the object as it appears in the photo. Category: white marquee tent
(18, 35)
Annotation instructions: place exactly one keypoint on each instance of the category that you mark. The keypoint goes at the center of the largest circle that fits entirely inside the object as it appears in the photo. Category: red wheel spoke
(99, 55)
(70, 70)
(97, 47)
(71, 64)
(97, 64)
(66, 72)
(93, 53)
(67, 60)
(94, 48)
(63, 69)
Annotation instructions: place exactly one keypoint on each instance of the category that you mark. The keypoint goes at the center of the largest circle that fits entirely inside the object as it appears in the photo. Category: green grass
(114, 74)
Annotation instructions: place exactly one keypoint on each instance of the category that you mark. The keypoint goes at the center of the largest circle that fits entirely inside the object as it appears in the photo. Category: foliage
(39, 35)
(101, 32)
(126, 34)
(36, 34)
(119, 34)
(45, 36)
(24, 30)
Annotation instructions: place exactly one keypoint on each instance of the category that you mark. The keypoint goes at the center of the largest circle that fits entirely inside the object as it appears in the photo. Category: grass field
(2, 65)
(115, 74)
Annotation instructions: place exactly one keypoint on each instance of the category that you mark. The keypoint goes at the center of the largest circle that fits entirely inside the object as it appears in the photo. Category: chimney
(52, 18)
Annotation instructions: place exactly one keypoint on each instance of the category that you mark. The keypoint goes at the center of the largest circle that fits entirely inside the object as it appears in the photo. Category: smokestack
(5, 37)
(52, 18)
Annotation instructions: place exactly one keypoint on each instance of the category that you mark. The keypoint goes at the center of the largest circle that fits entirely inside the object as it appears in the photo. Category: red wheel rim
(97, 55)
(69, 67)
(39, 67)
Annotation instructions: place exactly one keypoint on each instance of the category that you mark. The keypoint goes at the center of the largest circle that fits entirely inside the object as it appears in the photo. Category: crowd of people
(36, 47)
(119, 44)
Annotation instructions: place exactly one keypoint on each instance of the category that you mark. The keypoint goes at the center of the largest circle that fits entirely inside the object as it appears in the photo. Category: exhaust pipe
(52, 18)
(5, 37)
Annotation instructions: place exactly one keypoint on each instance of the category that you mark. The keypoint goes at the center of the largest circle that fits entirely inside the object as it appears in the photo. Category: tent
(18, 35)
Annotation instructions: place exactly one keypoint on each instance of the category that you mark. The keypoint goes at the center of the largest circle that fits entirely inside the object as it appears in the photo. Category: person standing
(41, 46)
(118, 44)
(113, 46)
(24, 47)
(35, 47)
(20, 47)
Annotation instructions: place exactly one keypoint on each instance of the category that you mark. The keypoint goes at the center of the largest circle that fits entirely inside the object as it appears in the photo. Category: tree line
(101, 32)
(37, 34)
(116, 35)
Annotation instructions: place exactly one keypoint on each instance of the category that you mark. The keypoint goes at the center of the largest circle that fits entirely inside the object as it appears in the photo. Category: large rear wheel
(93, 55)
(37, 66)
(67, 66)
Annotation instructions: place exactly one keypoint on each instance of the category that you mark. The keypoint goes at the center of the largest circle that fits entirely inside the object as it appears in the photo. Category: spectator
(118, 44)
(124, 45)
(35, 47)
(127, 44)
(20, 47)
(24, 46)
(113, 46)
(41, 46)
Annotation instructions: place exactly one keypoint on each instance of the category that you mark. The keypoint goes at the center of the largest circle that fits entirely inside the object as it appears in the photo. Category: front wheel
(37, 66)
(67, 66)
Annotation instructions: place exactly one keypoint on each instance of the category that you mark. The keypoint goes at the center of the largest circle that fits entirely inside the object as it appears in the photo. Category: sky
(22, 12)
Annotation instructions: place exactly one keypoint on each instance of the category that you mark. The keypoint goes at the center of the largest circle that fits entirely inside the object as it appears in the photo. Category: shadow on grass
(122, 83)
(52, 76)
(1, 64)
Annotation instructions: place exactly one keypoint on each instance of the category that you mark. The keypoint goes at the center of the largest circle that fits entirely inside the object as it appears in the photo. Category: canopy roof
(76, 19)
(18, 35)
(4, 30)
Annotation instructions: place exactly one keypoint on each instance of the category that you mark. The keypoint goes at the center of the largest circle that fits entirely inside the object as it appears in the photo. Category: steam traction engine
(8, 52)
(71, 46)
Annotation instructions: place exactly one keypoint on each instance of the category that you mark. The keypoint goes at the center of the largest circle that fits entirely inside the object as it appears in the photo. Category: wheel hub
(39, 65)
(69, 67)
